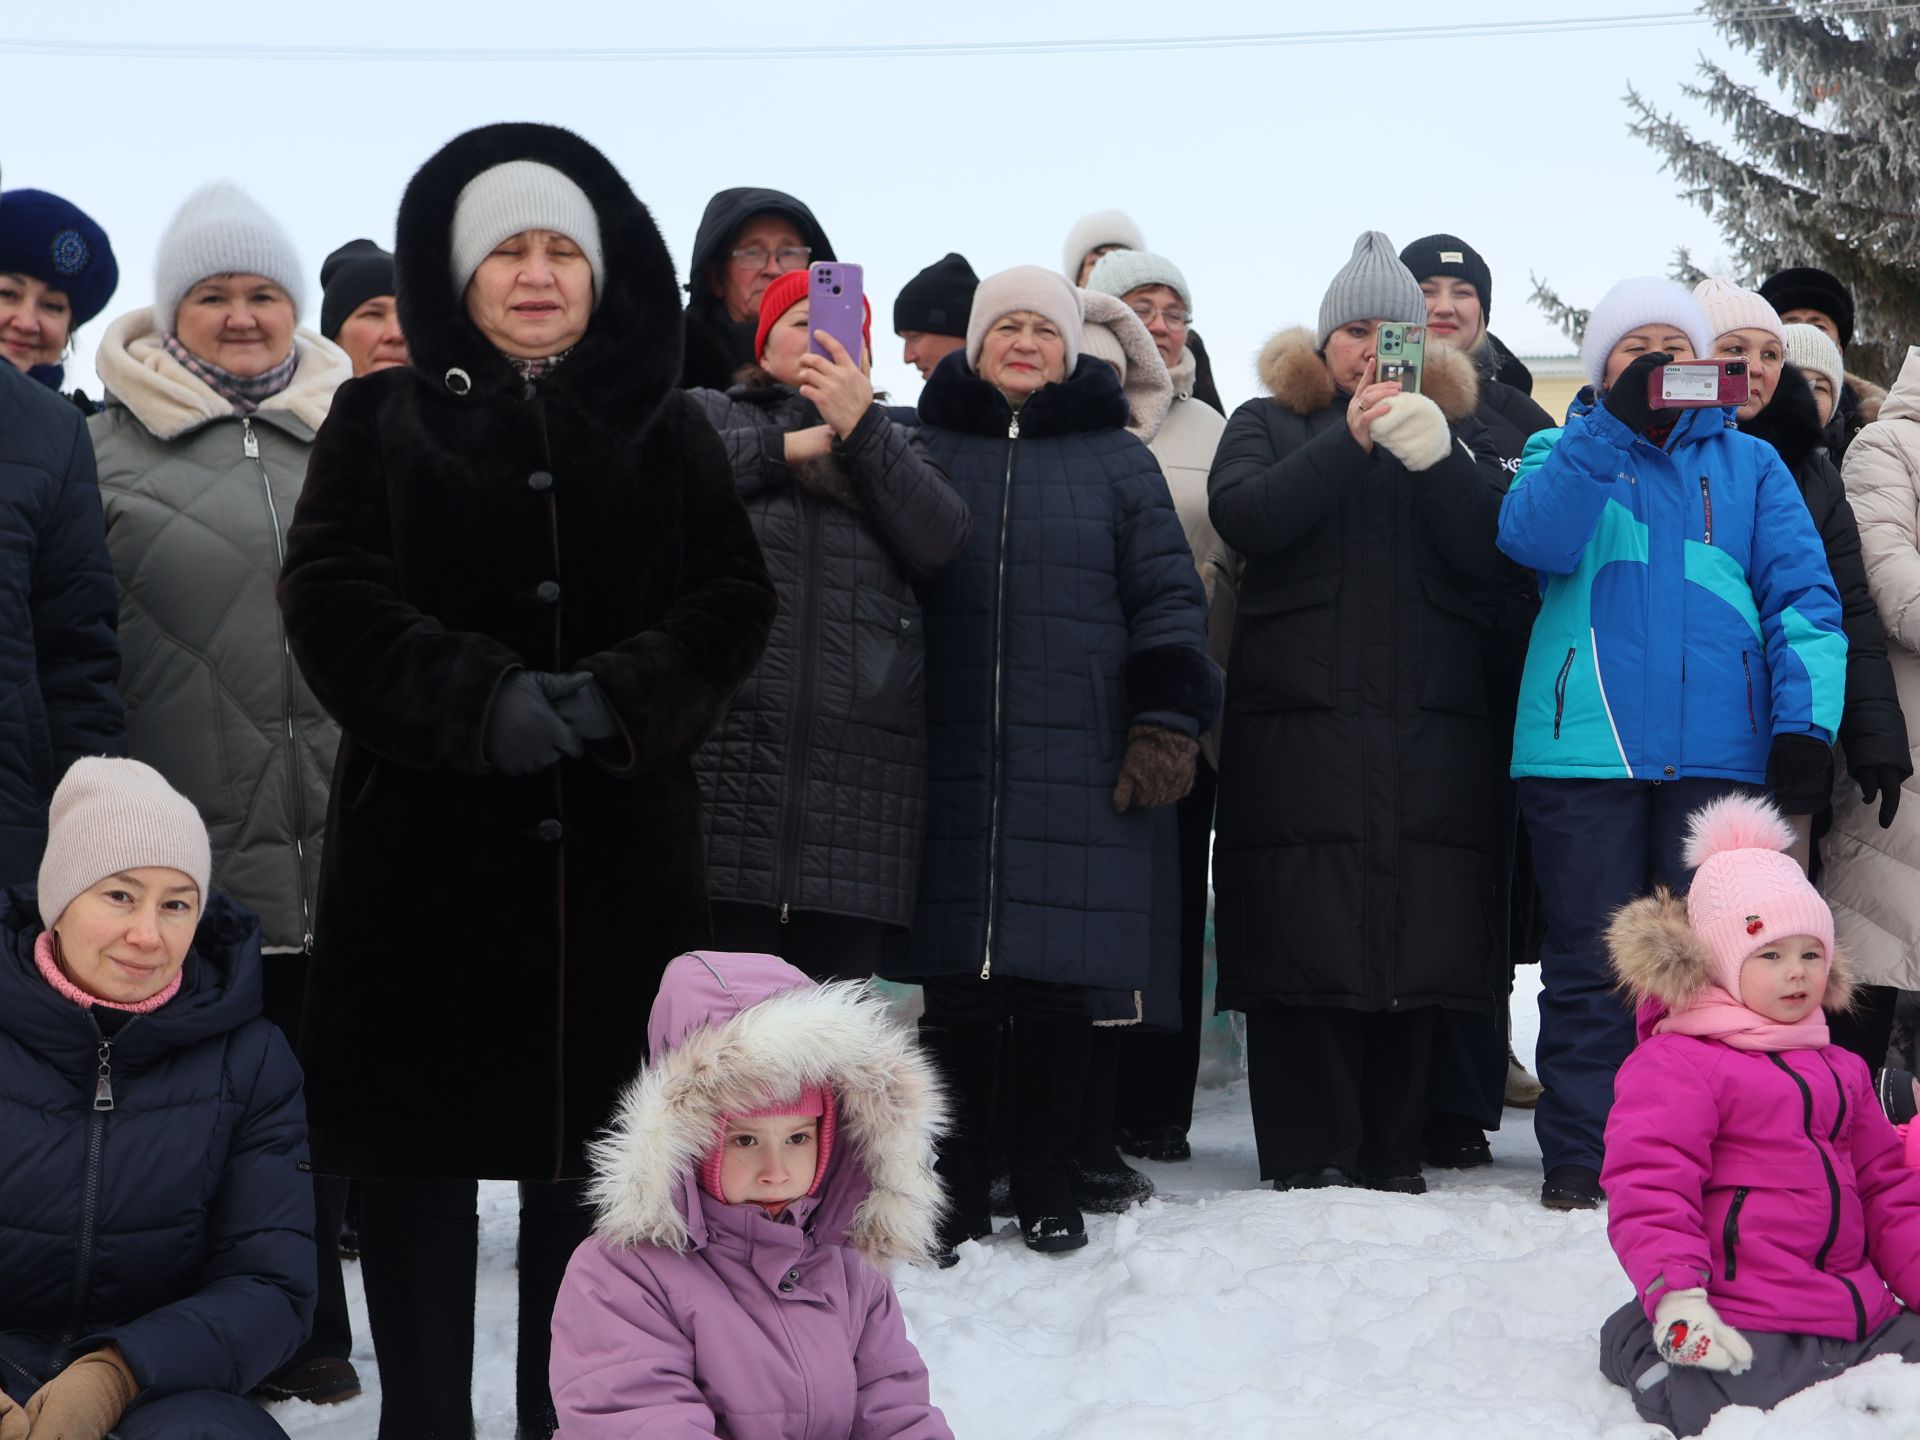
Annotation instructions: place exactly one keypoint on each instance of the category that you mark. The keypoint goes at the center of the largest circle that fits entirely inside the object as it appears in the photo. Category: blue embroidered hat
(57, 242)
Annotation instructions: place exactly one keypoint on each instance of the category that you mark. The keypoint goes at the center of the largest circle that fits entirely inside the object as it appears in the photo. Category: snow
(1222, 1309)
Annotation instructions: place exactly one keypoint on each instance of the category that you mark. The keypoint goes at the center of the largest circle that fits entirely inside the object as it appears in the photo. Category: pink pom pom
(1735, 822)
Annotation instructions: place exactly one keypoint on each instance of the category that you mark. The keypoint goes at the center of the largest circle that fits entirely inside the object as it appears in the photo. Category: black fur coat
(487, 948)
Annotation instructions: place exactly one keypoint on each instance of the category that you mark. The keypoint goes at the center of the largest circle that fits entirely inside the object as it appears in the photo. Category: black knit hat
(352, 275)
(938, 299)
(1805, 288)
(1432, 255)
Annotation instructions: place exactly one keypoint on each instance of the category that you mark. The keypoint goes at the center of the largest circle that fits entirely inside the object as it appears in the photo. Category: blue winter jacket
(176, 1225)
(1687, 613)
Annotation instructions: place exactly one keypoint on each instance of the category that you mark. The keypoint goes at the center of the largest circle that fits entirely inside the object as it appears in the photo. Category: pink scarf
(1716, 1015)
(54, 976)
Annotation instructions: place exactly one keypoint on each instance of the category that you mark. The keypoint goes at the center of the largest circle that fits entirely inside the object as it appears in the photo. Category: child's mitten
(1689, 1333)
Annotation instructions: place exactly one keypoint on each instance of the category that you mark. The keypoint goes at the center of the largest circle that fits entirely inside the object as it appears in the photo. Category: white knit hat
(1025, 287)
(1813, 350)
(1730, 308)
(1119, 271)
(1090, 232)
(220, 230)
(1372, 285)
(521, 195)
(111, 815)
(1642, 300)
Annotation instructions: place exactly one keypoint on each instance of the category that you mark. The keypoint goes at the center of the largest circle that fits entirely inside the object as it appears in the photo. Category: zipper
(792, 810)
(1730, 1233)
(90, 1183)
(250, 443)
(999, 665)
(1560, 690)
(1706, 502)
(1746, 668)
(1833, 1188)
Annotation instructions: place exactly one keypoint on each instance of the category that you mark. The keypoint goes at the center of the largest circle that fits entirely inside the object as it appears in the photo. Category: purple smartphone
(835, 305)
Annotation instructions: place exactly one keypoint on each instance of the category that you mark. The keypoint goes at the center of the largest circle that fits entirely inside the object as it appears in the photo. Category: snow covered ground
(1221, 1309)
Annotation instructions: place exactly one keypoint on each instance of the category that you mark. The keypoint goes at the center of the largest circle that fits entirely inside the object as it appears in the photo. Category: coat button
(786, 1287)
(547, 592)
(540, 480)
(793, 1274)
(549, 831)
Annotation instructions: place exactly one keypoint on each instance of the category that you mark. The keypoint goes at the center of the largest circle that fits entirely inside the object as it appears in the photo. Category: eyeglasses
(1177, 317)
(789, 257)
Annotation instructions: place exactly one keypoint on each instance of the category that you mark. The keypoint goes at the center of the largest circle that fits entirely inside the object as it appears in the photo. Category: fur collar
(1088, 400)
(629, 358)
(1294, 374)
(1657, 956)
(1791, 421)
(1868, 398)
(890, 1109)
(169, 400)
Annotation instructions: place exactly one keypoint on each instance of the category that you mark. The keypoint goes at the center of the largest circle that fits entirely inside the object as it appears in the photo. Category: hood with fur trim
(729, 1031)
(1294, 373)
(1148, 386)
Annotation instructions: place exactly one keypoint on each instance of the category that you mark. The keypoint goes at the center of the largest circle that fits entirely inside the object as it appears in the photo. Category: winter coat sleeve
(1889, 1191)
(892, 1401)
(1799, 607)
(669, 684)
(1882, 477)
(254, 1306)
(922, 519)
(1460, 498)
(621, 1368)
(757, 453)
(1659, 1145)
(1170, 680)
(1261, 501)
(1564, 482)
(76, 609)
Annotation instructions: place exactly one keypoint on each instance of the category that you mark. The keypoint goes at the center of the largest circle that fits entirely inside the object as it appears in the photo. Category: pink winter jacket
(685, 1316)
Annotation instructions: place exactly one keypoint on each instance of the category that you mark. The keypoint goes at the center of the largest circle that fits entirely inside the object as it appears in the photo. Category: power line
(1459, 30)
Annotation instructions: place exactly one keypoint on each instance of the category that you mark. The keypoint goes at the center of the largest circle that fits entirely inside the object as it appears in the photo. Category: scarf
(50, 971)
(244, 392)
(1717, 1015)
(538, 368)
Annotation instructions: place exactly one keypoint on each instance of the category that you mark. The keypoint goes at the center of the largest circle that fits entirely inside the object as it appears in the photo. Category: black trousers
(825, 947)
(1867, 1029)
(1339, 1087)
(419, 1246)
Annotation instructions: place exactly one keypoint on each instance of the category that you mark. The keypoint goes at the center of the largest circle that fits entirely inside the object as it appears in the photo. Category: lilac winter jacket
(684, 1316)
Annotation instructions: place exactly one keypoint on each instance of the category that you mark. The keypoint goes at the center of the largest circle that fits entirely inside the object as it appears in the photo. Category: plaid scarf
(538, 368)
(243, 392)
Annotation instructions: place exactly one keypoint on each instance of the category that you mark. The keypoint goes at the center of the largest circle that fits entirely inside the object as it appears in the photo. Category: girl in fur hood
(772, 1156)
(1758, 1198)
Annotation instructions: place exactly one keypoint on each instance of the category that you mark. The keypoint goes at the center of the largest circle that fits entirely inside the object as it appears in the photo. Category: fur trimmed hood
(169, 399)
(1291, 368)
(1147, 385)
(727, 1032)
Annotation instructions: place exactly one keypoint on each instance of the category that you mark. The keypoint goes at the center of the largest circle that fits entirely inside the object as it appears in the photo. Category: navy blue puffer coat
(1073, 613)
(177, 1225)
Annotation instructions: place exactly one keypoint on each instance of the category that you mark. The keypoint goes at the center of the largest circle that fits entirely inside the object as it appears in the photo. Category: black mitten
(1884, 781)
(1627, 397)
(1800, 774)
(524, 732)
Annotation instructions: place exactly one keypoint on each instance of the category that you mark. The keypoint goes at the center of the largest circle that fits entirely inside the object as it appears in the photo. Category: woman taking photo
(57, 272)
(520, 577)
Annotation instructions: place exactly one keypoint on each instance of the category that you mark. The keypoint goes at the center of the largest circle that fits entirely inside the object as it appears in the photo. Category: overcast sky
(1252, 167)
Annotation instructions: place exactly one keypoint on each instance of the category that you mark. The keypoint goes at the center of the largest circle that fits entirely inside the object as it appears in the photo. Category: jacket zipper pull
(103, 1086)
(249, 442)
(783, 912)
(1013, 428)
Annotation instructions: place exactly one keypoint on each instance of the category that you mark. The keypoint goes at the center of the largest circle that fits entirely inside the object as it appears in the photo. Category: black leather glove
(576, 698)
(524, 732)
(1884, 781)
(1800, 774)
(1627, 397)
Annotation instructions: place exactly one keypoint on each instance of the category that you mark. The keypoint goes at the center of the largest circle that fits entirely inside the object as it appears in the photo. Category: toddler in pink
(1758, 1198)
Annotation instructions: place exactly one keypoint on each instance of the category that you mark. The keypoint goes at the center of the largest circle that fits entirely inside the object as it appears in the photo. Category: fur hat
(1025, 287)
(1090, 232)
(936, 301)
(1372, 285)
(220, 230)
(1805, 288)
(60, 245)
(521, 195)
(813, 1100)
(1642, 300)
(1731, 308)
(110, 815)
(1119, 272)
(1115, 334)
(357, 272)
(786, 292)
(1432, 255)
(1747, 892)
(1813, 350)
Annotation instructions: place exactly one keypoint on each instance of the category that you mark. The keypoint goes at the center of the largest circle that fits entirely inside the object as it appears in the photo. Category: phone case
(1697, 385)
(1400, 353)
(834, 304)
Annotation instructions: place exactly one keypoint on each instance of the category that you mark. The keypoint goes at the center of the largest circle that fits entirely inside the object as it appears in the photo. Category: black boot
(966, 1054)
(1455, 1142)
(420, 1248)
(1103, 1183)
(1049, 1072)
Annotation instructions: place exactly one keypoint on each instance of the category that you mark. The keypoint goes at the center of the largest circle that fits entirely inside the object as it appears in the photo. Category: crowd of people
(533, 648)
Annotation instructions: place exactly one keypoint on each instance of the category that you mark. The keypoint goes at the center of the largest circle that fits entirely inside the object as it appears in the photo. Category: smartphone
(1400, 352)
(1697, 384)
(836, 305)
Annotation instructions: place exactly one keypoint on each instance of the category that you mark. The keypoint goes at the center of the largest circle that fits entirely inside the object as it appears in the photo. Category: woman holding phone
(815, 785)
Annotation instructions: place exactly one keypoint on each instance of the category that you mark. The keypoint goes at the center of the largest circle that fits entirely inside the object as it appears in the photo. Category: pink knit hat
(1729, 307)
(109, 815)
(814, 1100)
(1746, 892)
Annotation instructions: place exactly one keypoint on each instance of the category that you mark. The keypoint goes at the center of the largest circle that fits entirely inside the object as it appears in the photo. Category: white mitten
(1414, 430)
(1689, 1333)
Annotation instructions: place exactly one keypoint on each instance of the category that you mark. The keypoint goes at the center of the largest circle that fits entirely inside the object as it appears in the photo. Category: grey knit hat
(111, 815)
(220, 230)
(518, 195)
(1373, 285)
(1813, 350)
(1119, 271)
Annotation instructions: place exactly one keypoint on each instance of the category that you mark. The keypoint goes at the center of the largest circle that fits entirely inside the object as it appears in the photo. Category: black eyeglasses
(788, 257)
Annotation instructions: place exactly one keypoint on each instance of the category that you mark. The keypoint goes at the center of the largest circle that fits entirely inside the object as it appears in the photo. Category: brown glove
(1157, 768)
(13, 1420)
(85, 1400)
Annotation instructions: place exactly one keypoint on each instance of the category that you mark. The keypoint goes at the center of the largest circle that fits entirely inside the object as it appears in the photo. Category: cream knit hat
(518, 195)
(1729, 307)
(110, 815)
(1025, 287)
(220, 230)
(1813, 350)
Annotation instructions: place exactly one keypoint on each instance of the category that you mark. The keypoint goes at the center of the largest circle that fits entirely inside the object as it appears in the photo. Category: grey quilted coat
(815, 785)
(197, 501)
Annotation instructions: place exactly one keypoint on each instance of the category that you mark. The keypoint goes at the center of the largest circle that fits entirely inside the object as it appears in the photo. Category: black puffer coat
(816, 783)
(59, 656)
(1359, 847)
(1873, 731)
(717, 346)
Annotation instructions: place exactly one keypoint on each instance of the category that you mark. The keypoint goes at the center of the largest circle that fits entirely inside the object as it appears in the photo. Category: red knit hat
(781, 296)
(814, 1100)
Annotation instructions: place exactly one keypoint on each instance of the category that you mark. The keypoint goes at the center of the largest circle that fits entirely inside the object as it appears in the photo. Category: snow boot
(1156, 1142)
(1399, 1184)
(1316, 1177)
(1048, 1070)
(1572, 1187)
(1103, 1183)
(966, 1054)
(1455, 1143)
(1523, 1091)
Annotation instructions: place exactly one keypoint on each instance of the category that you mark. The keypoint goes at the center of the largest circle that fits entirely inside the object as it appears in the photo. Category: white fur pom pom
(1735, 822)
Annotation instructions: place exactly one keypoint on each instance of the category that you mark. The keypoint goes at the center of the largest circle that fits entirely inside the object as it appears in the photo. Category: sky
(1253, 167)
